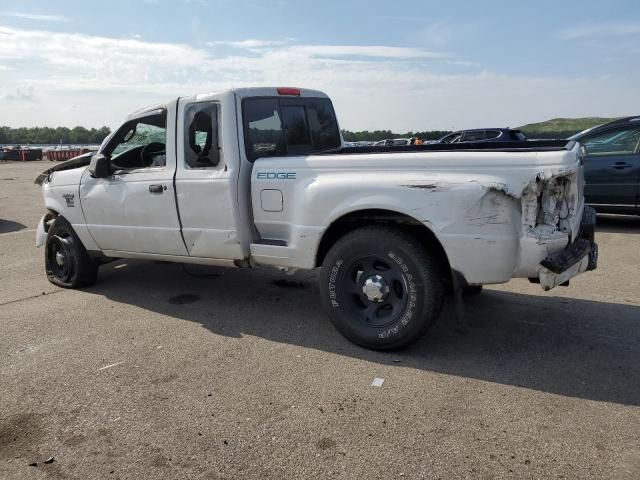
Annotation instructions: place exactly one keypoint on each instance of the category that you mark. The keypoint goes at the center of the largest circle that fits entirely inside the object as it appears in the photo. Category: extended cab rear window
(289, 126)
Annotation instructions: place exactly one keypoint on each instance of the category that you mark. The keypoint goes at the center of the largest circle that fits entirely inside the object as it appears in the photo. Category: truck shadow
(618, 223)
(8, 226)
(565, 346)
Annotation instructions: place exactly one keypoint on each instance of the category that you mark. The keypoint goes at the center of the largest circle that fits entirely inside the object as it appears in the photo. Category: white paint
(482, 206)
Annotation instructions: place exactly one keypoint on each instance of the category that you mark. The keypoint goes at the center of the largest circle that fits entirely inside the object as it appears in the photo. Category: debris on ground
(109, 366)
(377, 382)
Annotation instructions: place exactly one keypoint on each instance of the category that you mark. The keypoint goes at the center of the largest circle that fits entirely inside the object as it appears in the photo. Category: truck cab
(174, 178)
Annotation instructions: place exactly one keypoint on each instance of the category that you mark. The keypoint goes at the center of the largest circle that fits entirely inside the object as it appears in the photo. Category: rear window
(491, 134)
(286, 126)
(296, 128)
(263, 128)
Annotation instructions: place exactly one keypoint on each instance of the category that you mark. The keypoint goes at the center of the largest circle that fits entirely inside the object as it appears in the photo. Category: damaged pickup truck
(259, 177)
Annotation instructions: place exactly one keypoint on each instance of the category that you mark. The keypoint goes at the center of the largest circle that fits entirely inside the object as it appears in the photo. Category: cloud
(600, 30)
(373, 87)
(378, 51)
(250, 43)
(33, 16)
(441, 33)
(19, 95)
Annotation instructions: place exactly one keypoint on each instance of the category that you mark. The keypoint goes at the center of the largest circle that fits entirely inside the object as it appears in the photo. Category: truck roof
(242, 92)
(276, 92)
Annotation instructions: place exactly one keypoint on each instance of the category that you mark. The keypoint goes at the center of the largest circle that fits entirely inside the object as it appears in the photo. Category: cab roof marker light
(289, 91)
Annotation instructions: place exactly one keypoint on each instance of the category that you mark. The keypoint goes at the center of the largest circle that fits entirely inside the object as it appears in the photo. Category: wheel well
(404, 222)
(50, 215)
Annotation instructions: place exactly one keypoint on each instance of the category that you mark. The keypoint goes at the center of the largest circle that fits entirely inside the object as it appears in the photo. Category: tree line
(48, 135)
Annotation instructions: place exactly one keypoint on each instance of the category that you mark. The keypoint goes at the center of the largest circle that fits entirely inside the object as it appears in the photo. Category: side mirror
(100, 166)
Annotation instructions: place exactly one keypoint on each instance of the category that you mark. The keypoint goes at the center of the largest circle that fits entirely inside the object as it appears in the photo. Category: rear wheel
(380, 288)
(67, 263)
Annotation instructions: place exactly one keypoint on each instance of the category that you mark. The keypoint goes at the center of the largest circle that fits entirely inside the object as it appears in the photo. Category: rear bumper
(578, 257)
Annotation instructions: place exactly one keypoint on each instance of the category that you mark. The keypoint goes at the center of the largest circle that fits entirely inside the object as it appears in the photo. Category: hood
(76, 162)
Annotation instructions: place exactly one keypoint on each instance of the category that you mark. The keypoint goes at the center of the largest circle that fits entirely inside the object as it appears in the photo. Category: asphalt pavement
(161, 371)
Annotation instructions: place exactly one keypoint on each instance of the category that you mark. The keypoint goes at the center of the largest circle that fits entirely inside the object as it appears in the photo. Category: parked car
(393, 142)
(484, 135)
(611, 156)
(259, 177)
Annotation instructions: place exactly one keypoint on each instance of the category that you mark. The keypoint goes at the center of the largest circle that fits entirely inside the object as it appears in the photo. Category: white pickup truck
(258, 176)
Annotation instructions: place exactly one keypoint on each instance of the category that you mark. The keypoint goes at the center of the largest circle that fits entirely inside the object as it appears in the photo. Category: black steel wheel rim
(60, 257)
(375, 291)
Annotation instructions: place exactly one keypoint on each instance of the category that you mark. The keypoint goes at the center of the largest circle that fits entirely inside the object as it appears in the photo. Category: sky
(401, 65)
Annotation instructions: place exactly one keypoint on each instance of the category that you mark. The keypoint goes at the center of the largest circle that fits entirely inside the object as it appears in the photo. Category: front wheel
(380, 287)
(67, 263)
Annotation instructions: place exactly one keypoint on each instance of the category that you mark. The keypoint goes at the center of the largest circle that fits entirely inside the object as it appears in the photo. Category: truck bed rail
(519, 146)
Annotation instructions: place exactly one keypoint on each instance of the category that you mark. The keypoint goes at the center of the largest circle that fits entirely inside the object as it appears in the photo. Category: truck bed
(523, 146)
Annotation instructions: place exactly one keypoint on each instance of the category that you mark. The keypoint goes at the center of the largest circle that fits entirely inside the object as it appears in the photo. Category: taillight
(289, 91)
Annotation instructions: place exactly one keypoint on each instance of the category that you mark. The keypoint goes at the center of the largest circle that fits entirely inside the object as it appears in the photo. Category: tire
(67, 263)
(380, 288)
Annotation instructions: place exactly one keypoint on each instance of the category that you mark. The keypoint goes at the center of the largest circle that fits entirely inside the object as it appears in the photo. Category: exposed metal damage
(549, 205)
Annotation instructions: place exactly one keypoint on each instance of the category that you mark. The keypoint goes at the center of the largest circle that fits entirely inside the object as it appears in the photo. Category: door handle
(157, 188)
(621, 165)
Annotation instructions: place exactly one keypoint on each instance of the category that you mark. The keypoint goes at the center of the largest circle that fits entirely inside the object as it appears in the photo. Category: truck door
(134, 209)
(612, 167)
(206, 181)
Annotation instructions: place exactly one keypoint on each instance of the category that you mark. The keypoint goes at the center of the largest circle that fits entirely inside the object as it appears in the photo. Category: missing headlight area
(549, 205)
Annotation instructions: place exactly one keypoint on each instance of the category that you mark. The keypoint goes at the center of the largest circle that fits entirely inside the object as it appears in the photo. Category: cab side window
(201, 147)
(139, 143)
(616, 142)
(473, 136)
(452, 138)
